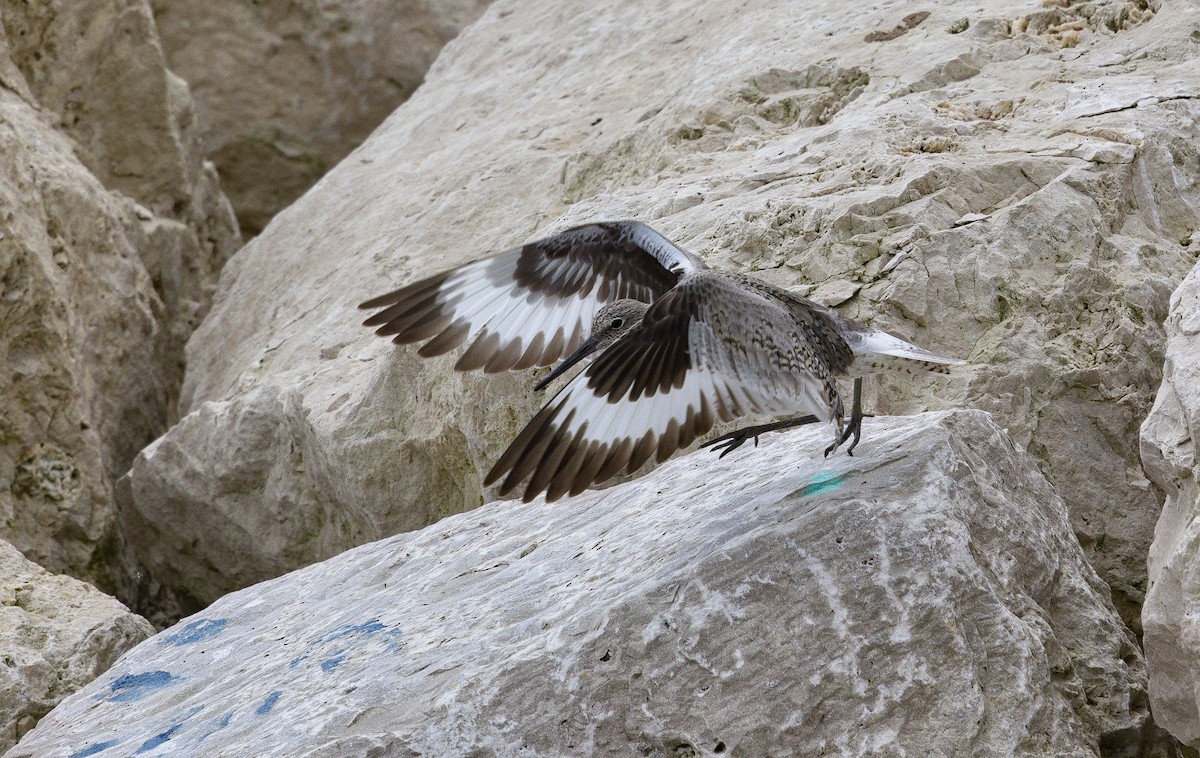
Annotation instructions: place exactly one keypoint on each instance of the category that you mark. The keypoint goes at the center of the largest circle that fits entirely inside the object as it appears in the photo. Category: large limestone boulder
(56, 635)
(286, 90)
(1170, 616)
(112, 230)
(925, 597)
(96, 68)
(1013, 184)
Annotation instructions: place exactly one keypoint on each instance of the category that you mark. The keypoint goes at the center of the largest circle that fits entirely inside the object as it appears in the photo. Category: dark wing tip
(378, 302)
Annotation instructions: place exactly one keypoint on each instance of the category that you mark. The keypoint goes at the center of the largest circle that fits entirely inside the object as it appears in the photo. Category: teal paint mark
(826, 481)
(158, 739)
(93, 749)
(268, 703)
(137, 686)
(196, 631)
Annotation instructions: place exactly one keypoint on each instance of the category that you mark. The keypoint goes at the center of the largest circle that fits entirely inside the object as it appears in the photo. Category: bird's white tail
(880, 351)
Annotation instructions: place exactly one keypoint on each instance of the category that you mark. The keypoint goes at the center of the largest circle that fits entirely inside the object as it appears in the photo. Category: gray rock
(112, 230)
(936, 172)
(1170, 616)
(924, 598)
(287, 90)
(56, 635)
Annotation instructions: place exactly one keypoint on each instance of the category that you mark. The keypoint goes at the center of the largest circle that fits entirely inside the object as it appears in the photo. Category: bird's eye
(616, 322)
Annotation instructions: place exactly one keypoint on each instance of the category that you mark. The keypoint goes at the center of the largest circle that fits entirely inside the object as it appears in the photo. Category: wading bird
(679, 347)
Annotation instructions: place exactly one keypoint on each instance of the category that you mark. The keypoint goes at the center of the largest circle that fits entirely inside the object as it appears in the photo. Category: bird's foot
(853, 429)
(727, 443)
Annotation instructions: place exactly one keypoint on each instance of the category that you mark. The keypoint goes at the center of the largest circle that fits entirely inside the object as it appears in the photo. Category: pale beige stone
(56, 635)
(1172, 634)
(99, 68)
(112, 230)
(81, 339)
(286, 90)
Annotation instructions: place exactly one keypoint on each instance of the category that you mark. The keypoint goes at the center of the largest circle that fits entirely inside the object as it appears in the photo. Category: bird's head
(612, 322)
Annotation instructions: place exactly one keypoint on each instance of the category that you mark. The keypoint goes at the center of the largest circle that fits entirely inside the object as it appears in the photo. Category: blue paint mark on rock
(158, 739)
(329, 664)
(365, 639)
(196, 631)
(394, 639)
(268, 703)
(367, 628)
(217, 725)
(826, 481)
(93, 749)
(137, 686)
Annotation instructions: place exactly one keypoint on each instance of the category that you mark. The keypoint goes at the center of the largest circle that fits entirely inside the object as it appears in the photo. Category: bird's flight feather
(533, 304)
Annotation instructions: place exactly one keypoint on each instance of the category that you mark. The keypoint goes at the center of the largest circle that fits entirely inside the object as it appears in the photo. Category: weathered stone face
(1169, 452)
(926, 597)
(82, 386)
(286, 90)
(112, 230)
(56, 635)
(1019, 193)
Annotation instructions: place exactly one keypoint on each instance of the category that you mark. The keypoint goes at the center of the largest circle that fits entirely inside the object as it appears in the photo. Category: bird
(676, 347)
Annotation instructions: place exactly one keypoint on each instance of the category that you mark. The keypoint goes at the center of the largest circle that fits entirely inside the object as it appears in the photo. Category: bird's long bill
(583, 351)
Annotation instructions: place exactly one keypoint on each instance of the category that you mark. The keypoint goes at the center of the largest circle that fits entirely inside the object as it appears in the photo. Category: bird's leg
(727, 443)
(854, 428)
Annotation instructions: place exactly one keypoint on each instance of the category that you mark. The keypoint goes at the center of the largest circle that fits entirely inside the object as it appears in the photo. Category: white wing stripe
(513, 313)
(566, 277)
(609, 422)
(509, 322)
(664, 251)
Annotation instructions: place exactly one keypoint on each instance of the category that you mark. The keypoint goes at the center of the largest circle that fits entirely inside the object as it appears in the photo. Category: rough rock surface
(112, 231)
(924, 598)
(286, 90)
(56, 635)
(1020, 192)
(1171, 616)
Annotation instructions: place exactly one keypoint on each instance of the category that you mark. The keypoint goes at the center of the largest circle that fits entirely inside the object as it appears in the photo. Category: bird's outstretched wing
(707, 350)
(531, 305)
